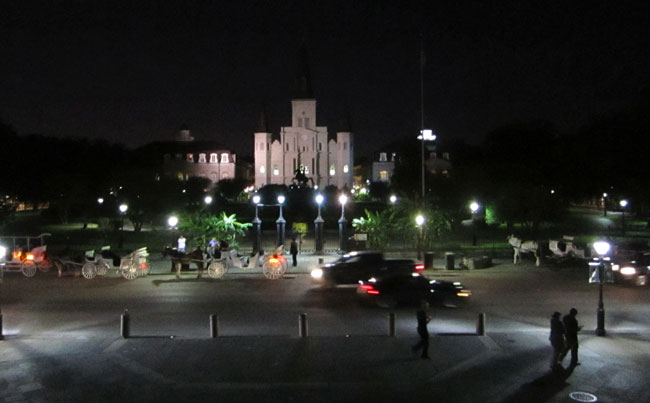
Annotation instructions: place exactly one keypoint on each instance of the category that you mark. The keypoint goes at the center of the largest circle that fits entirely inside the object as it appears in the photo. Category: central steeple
(302, 83)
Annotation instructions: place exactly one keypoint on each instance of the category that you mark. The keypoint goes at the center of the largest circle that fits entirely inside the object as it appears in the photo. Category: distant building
(383, 166)
(184, 158)
(304, 146)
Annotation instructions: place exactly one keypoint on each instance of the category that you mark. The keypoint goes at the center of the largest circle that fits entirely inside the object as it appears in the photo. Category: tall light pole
(602, 248)
(473, 207)
(623, 204)
(604, 204)
(342, 221)
(280, 222)
(257, 223)
(123, 207)
(318, 227)
(419, 221)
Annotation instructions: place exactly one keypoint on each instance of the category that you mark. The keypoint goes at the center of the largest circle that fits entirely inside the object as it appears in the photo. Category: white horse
(520, 246)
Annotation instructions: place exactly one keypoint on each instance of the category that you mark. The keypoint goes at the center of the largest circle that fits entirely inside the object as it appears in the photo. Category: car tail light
(419, 267)
(369, 289)
(463, 293)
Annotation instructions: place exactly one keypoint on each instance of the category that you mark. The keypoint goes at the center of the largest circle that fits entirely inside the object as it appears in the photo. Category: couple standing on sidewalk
(564, 337)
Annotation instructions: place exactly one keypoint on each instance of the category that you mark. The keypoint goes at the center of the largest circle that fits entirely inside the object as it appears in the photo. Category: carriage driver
(214, 248)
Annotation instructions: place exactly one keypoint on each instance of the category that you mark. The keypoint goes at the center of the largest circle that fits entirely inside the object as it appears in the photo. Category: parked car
(355, 266)
(410, 289)
(632, 269)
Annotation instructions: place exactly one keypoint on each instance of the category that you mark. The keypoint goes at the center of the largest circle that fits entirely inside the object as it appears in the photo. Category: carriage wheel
(130, 272)
(44, 265)
(28, 268)
(274, 268)
(89, 270)
(217, 269)
(102, 267)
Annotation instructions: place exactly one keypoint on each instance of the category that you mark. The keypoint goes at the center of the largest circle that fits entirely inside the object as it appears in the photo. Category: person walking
(423, 319)
(293, 249)
(557, 338)
(571, 329)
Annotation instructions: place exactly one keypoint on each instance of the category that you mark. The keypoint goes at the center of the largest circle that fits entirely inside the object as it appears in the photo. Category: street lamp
(623, 204)
(342, 221)
(172, 222)
(100, 200)
(257, 223)
(318, 226)
(419, 221)
(602, 248)
(281, 222)
(393, 199)
(123, 207)
(474, 206)
(604, 204)
(207, 200)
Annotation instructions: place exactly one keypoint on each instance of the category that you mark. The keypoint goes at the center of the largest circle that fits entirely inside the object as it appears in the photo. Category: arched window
(202, 158)
(262, 169)
(345, 168)
(276, 170)
(213, 158)
(224, 158)
(332, 170)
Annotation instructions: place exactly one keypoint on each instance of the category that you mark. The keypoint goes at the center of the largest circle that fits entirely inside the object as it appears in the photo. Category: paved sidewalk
(493, 368)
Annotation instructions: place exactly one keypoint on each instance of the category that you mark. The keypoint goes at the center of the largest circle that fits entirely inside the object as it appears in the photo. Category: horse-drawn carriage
(29, 262)
(273, 266)
(27, 255)
(131, 266)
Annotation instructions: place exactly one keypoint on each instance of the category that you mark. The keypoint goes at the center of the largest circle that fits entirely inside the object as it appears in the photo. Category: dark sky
(133, 72)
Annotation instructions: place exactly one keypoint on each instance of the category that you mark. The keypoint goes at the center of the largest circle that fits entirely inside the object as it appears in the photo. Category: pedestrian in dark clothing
(423, 319)
(557, 338)
(571, 328)
(294, 251)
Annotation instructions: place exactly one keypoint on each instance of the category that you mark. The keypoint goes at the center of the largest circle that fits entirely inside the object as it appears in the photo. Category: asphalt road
(514, 298)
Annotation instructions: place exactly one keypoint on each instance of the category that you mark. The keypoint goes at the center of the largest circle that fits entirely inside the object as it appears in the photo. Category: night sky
(134, 72)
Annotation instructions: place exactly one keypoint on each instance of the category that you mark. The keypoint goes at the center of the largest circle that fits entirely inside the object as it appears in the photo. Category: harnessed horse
(520, 247)
(180, 258)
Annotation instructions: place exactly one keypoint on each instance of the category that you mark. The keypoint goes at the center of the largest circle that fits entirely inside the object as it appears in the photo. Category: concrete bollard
(480, 325)
(2, 337)
(302, 325)
(391, 324)
(214, 326)
(125, 325)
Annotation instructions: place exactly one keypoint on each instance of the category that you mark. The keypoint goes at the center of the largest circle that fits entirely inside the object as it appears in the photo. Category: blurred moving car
(632, 268)
(355, 266)
(410, 289)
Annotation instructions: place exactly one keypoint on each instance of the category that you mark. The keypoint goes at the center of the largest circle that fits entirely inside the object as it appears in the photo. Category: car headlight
(317, 273)
(628, 271)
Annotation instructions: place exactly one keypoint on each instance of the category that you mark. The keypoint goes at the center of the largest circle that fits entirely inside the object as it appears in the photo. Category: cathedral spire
(262, 125)
(302, 83)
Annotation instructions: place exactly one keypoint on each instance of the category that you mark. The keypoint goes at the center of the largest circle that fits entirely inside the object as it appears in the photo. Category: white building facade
(304, 146)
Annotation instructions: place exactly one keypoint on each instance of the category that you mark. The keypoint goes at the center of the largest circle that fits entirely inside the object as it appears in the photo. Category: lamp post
(318, 226)
(207, 200)
(473, 207)
(604, 204)
(172, 222)
(280, 222)
(342, 221)
(419, 221)
(393, 199)
(602, 248)
(123, 207)
(623, 204)
(257, 223)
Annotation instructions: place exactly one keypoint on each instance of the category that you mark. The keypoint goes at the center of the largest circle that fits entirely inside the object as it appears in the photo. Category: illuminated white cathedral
(304, 146)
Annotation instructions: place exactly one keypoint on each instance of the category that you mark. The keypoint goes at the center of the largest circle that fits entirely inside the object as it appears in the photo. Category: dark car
(355, 266)
(410, 289)
(633, 269)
